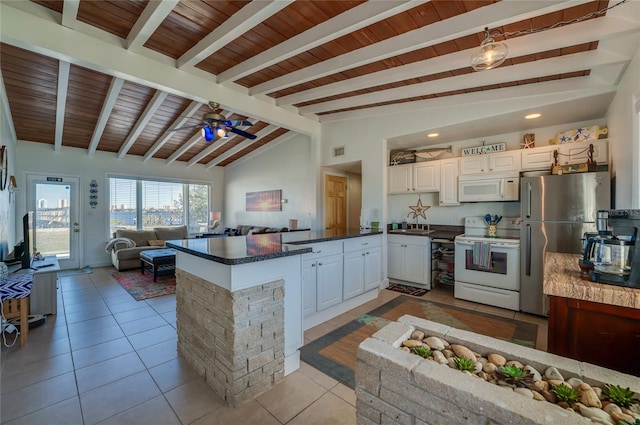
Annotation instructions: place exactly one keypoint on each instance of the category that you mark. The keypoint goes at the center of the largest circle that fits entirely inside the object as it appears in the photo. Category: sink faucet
(415, 217)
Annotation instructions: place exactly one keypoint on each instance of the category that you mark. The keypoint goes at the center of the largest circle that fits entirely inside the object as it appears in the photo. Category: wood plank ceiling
(324, 60)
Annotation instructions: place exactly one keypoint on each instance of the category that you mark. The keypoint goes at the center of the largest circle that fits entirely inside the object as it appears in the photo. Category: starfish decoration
(528, 141)
(419, 209)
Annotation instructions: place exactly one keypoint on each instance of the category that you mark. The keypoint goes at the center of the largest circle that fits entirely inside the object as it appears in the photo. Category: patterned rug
(335, 353)
(142, 286)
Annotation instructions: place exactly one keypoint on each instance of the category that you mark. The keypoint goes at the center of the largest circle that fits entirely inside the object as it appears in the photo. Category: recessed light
(532, 116)
(433, 135)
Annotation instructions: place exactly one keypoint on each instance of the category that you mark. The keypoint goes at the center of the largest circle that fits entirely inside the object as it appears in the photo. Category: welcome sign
(480, 150)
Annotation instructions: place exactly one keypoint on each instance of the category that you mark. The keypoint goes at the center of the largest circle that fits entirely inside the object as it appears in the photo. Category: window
(145, 204)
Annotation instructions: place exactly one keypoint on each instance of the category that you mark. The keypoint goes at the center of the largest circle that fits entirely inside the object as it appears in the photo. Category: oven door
(500, 267)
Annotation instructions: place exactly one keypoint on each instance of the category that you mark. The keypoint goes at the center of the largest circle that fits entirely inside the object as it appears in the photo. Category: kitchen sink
(422, 232)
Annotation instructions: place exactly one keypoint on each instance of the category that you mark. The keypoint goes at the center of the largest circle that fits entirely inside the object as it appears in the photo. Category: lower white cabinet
(362, 265)
(410, 258)
(328, 281)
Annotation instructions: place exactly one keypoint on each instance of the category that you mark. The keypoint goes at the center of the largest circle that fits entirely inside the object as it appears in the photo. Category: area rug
(142, 286)
(335, 353)
(406, 289)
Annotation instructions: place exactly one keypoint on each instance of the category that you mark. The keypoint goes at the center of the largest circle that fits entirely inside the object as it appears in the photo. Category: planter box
(397, 387)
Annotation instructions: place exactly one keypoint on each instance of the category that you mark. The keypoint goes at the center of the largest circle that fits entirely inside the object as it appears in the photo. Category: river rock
(593, 413)
(439, 357)
(407, 349)
(478, 367)
(448, 353)
(434, 343)
(619, 416)
(631, 412)
(540, 386)
(417, 335)
(556, 382)
(451, 363)
(574, 382)
(482, 360)
(524, 391)
(588, 397)
(489, 367)
(483, 375)
(462, 351)
(504, 383)
(496, 359)
(611, 407)
(537, 396)
(549, 396)
(598, 391)
(412, 343)
(553, 373)
(534, 372)
(514, 363)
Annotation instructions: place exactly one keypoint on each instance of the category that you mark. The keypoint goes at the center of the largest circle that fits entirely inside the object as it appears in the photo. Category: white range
(487, 269)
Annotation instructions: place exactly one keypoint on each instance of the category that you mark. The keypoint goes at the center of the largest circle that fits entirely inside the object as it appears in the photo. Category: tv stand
(44, 292)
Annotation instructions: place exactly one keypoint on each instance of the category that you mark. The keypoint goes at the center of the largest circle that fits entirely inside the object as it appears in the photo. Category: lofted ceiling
(118, 76)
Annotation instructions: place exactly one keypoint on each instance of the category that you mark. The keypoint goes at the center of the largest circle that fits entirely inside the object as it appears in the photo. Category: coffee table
(159, 262)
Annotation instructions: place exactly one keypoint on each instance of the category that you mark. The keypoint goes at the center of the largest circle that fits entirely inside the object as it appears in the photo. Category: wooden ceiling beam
(153, 15)
(240, 146)
(458, 26)
(105, 113)
(556, 65)
(239, 23)
(61, 102)
(147, 114)
(602, 28)
(345, 23)
(179, 122)
(184, 148)
(70, 13)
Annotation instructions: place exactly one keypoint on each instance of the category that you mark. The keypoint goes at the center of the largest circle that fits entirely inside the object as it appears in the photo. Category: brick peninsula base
(235, 340)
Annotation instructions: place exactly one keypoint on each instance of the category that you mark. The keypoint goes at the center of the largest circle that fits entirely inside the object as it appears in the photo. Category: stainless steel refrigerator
(556, 211)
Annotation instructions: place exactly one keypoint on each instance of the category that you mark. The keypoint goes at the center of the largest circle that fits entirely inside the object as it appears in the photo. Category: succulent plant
(463, 363)
(623, 397)
(565, 393)
(422, 351)
(514, 375)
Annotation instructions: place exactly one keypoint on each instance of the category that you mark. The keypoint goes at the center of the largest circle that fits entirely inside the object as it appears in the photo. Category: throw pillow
(156, 242)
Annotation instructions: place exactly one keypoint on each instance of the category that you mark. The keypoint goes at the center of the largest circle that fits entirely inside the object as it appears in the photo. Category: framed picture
(400, 156)
(267, 200)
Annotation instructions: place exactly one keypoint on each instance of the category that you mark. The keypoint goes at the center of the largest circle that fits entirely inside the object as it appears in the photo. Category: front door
(335, 202)
(54, 200)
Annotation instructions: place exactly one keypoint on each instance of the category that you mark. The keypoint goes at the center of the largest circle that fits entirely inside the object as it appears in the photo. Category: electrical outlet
(10, 329)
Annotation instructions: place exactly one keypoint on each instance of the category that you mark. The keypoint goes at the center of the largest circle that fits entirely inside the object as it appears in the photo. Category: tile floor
(106, 358)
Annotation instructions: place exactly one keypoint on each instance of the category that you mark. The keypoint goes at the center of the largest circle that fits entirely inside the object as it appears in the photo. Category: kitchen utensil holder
(492, 230)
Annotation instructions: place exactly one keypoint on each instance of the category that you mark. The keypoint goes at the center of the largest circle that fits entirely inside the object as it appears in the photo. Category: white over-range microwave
(489, 187)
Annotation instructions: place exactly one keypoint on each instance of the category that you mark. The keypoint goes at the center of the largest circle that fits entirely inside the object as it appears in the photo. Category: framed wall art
(267, 200)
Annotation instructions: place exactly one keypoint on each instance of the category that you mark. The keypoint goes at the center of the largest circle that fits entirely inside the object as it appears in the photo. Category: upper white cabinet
(569, 153)
(490, 163)
(449, 170)
(419, 177)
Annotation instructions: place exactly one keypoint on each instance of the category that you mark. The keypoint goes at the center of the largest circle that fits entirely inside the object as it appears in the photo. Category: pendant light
(490, 54)
(207, 133)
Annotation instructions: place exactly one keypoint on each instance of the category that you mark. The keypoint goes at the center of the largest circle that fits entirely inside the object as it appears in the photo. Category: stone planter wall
(396, 387)
(235, 340)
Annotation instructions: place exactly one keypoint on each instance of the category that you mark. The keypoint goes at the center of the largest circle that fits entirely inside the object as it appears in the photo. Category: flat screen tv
(27, 244)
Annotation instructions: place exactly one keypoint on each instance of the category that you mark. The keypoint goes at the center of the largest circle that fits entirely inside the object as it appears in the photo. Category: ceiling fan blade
(242, 133)
(237, 123)
(187, 127)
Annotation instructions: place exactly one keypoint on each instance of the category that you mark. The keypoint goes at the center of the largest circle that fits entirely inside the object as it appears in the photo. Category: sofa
(246, 229)
(124, 257)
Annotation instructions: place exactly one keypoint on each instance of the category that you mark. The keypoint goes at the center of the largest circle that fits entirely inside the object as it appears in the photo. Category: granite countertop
(252, 248)
(562, 279)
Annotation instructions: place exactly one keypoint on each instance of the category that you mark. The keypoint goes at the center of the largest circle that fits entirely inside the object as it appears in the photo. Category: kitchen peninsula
(590, 321)
(239, 307)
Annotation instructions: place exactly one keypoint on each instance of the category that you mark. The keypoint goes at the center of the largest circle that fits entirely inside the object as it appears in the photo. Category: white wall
(289, 166)
(625, 150)
(8, 236)
(94, 223)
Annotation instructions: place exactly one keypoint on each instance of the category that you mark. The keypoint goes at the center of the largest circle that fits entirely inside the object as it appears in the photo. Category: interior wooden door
(335, 201)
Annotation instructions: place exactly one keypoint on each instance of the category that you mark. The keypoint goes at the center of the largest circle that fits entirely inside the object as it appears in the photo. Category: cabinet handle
(363, 254)
(318, 251)
(367, 252)
(319, 264)
(313, 265)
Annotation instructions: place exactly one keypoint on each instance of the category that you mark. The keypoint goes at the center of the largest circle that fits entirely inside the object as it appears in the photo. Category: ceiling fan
(213, 124)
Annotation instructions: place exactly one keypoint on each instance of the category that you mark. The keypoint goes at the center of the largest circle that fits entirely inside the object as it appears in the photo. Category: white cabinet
(410, 258)
(490, 163)
(362, 265)
(419, 177)
(541, 158)
(322, 274)
(449, 170)
(538, 158)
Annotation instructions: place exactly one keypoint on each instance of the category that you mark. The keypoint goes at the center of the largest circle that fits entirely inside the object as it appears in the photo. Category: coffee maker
(617, 257)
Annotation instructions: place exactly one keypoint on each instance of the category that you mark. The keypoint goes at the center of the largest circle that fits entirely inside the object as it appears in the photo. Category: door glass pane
(198, 208)
(52, 233)
(162, 204)
(122, 204)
